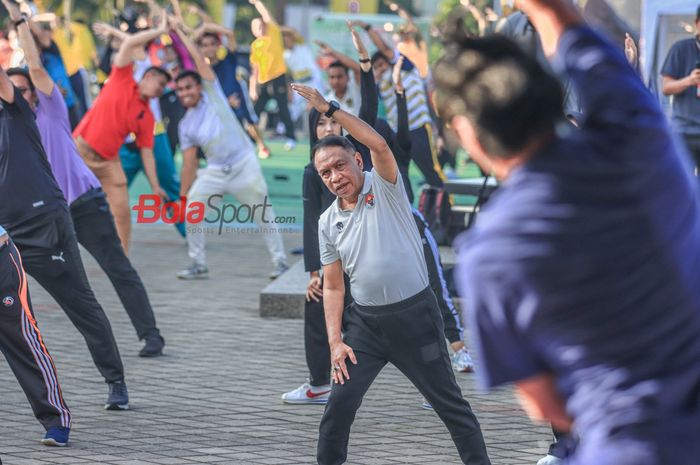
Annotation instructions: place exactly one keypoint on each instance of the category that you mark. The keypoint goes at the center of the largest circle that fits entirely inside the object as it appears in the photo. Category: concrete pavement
(215, 396)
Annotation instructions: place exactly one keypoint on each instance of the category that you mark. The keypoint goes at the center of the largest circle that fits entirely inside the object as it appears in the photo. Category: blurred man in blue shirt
(681, 79)
(581, 277)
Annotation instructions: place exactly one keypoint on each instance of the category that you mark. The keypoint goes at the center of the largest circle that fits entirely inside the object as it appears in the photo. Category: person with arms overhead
(268, 79)
(122, 108)
(232, 167)
(208, 39)
(580, 278)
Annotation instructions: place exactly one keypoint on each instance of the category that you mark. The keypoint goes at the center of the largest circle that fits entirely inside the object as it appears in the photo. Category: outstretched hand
(103, 30)
(13, 9)
(325, 48)
(357, 40)
(312, 96)
(630, 50)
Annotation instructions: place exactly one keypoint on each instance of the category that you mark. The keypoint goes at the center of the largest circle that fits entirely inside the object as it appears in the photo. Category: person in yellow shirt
(269, 72)
(77, 46)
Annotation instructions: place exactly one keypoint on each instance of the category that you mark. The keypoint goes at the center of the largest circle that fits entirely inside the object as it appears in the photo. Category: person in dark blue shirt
(581, 278)
(681, 79)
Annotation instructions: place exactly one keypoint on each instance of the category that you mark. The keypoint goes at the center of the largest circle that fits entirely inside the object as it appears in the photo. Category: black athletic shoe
(118, 398)
(153, 347)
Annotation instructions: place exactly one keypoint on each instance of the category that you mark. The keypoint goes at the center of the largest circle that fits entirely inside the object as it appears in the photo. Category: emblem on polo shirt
(369, 201)
(339, 226)
(7, 301)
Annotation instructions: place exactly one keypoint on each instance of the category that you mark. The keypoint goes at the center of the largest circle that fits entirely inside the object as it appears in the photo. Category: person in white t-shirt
(343, 79)
(232, 166)
(302, 68)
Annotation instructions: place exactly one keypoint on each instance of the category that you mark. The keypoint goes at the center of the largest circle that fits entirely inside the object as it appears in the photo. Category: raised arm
(194, 9)
(613, 98)
(108, 32)
(551, 18)
(37, 72)
(369, 103)
(477, 15)
(382, 158)
(403, 134)
(139, 40)
(264, 12)
(7, 90)
(403, 14)
(44, 40)
(203, 68)
(154, 9)
(352, 65)
(377, 40)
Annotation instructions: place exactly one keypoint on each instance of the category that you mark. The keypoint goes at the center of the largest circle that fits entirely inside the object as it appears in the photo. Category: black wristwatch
(21, 20)
(333, 107)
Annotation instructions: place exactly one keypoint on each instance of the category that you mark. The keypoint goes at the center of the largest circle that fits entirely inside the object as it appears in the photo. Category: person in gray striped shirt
(420, 122)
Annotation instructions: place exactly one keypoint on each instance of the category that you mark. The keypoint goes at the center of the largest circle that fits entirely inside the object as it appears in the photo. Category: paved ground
(215, 397)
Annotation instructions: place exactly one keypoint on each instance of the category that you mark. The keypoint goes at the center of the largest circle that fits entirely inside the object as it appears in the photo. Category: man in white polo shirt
(232, 166)
(370, 234)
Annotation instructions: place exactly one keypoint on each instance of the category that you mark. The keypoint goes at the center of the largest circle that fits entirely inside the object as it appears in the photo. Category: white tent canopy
(652, 10)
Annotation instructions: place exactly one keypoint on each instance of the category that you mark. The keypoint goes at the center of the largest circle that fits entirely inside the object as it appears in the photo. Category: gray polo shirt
(212, 126)
(377, 243)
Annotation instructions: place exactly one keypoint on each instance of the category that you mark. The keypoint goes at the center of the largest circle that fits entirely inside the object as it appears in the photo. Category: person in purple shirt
(581, 278)
(92, 220)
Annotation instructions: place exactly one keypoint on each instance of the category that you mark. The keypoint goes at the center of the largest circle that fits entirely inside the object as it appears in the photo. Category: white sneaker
(462, 362)
(307, 394)
(550, 460)
(426, 405)
(194, 271)
(290, 144)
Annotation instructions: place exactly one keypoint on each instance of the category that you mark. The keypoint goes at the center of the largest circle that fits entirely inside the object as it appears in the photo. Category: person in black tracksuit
(23, 346)
(36, 216)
